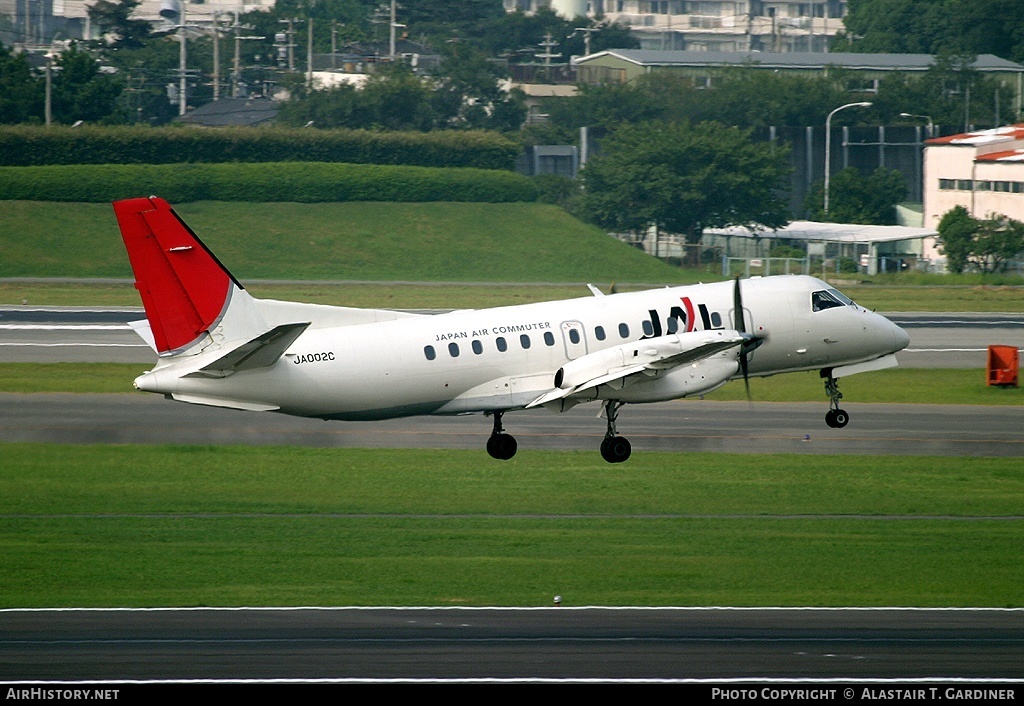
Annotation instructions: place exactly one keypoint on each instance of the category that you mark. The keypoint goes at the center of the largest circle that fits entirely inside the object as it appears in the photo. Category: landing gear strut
(501, 445)
(835, 417)
(614, 448)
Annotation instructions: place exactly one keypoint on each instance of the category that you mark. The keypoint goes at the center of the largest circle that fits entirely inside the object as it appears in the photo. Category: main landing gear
(500, 445)
(835, 417)
(614, 448)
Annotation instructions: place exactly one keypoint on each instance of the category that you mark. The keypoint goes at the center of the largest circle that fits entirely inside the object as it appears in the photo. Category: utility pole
(182, 64)
(216, 58)
(309, 53)
(392, 26)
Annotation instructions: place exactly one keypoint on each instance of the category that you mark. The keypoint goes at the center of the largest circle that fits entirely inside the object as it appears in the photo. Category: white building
(715, 25)
(37, 22)
(982, 171)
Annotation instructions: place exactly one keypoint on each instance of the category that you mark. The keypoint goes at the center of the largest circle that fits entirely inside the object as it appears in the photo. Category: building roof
(979, 138)
(1004, 156)
(233, 112)
(795, 60)
(814, 231)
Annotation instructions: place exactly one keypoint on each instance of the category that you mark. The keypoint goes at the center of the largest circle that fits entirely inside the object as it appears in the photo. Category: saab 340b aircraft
(219, 346)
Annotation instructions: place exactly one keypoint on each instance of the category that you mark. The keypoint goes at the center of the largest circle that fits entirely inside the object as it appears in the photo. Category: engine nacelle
(695, 378)
(653, 352)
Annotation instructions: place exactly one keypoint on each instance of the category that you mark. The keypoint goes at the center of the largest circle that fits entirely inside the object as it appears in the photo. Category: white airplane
(219, 346)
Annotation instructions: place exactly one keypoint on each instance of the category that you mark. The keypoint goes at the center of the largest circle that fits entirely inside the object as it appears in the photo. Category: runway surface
(689, 425)
(91, 335)
(550, 643)
(760, 644)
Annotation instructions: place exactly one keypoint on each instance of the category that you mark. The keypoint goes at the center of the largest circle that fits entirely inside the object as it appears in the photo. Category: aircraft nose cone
(902, 338)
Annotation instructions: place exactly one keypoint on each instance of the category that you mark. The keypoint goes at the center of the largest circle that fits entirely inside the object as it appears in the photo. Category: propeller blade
(737, 300)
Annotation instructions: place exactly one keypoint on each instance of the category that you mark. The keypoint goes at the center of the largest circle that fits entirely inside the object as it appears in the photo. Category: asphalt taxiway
(502, 644)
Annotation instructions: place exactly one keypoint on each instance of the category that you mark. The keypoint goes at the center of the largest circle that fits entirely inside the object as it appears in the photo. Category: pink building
(983, 171)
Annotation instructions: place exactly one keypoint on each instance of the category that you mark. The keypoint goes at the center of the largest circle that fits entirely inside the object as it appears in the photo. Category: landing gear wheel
(500, 445)
(835, 417)
(615, 449)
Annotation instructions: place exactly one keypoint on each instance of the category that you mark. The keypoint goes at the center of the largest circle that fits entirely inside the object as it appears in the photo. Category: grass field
(900, 385)
(109, 525)
(467, 242)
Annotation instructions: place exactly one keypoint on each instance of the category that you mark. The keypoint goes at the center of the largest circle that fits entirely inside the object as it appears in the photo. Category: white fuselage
(504, 358)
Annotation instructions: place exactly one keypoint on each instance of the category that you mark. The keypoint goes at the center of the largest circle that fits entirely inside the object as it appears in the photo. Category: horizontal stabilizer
(141, 327)
(261, 352)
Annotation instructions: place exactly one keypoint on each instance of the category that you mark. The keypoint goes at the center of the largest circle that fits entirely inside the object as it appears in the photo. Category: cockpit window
(829, 298)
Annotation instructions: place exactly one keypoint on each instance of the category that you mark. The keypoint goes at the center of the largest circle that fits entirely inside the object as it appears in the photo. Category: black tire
(615, 449)
(840, 418)
(502, 446)
(830, 418)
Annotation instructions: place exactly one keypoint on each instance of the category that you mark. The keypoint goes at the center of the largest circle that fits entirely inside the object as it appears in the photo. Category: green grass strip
(39, 479)
(154, 526)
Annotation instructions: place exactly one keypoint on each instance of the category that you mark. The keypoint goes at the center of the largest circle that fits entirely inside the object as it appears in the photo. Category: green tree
(114, 19)
(984, 244)
(934, 27)
(957, 231)
(21, 93)
(82, 92)
(999, 240)
(854, 198)
(681, 178)
(467, 92)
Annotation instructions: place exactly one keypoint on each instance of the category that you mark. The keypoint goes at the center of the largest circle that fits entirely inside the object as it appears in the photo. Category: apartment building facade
(712, 25)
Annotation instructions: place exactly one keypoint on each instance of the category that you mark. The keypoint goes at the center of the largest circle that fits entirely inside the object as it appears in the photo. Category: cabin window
(549, 338)
(624, 330)
(478, 347)
(429, 352)
(574, 336)
(716, 319)
(501, 343)
(648, 328)
(524, 340)
(672, 325)
(453, 348)
(599, 333)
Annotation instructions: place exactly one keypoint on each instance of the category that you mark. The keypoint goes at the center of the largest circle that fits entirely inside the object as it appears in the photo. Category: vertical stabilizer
(184, 288)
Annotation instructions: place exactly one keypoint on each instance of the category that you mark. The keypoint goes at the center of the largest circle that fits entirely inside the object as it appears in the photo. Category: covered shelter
(873, 248)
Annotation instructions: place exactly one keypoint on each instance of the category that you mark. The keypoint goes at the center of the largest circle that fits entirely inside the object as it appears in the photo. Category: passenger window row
(524, 340)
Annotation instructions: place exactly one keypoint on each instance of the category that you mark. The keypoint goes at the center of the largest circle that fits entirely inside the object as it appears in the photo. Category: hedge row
(280, 181)
(22, 146)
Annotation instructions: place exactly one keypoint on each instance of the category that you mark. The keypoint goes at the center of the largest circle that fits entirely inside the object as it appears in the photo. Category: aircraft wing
(616, 366)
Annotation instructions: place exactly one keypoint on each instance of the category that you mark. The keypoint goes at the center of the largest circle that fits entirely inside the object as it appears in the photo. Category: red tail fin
(184, 287)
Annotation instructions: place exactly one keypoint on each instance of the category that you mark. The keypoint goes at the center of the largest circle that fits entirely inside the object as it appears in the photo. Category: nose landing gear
(500, 445)
(835, 417)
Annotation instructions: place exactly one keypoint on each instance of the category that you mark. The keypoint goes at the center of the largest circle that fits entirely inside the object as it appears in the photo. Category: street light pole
(828, 142)
(931, 125)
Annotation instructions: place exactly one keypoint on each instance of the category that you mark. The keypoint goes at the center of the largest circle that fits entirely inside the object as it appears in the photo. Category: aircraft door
(574, 338)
